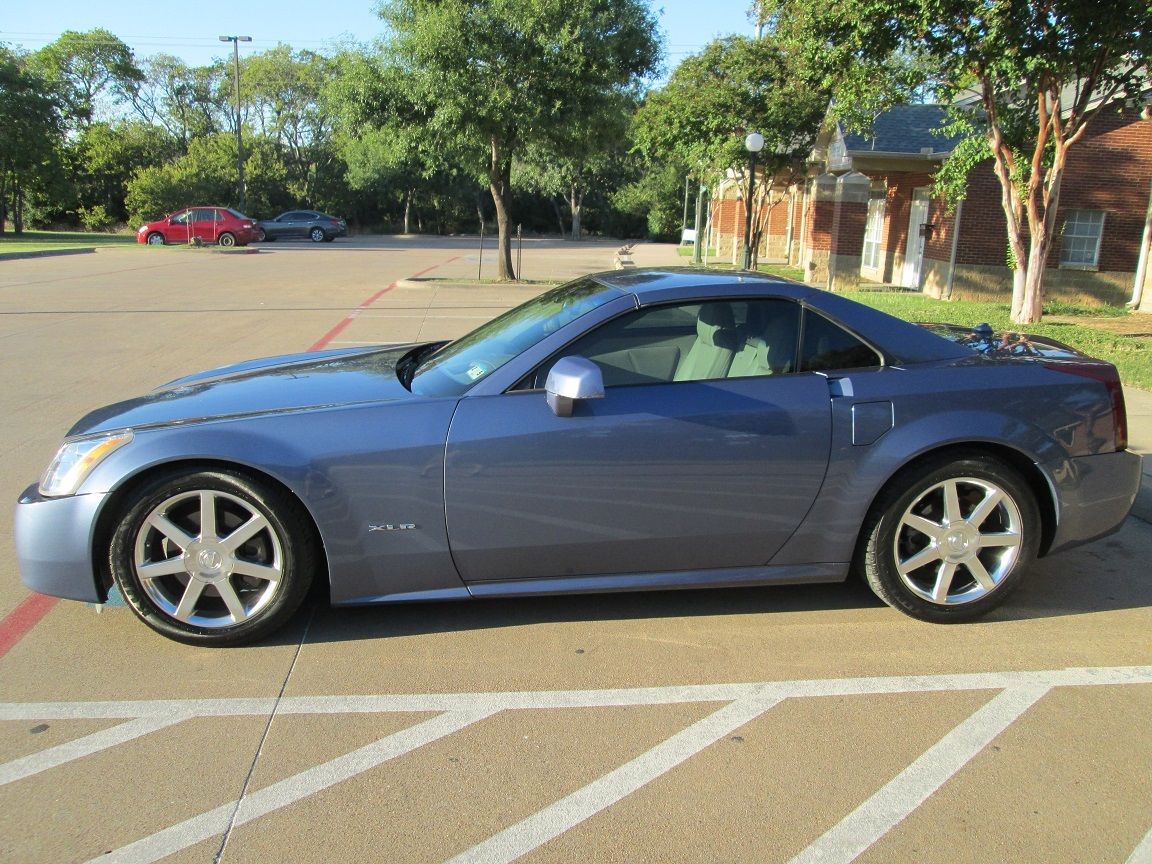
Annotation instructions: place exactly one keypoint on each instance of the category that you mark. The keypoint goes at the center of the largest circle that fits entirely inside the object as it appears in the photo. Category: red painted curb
(23, 618)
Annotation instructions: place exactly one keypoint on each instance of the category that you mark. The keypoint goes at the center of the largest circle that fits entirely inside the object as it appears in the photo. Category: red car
(221, 225)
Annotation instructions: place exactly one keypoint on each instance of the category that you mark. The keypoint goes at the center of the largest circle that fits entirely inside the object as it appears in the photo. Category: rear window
(827, 346)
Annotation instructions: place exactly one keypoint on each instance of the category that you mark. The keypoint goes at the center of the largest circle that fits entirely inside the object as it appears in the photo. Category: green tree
(1041, 71)
(651, 204)
(713, 99)
(592, 159)
(182, 99)
(104, 157)
(284, 92)
(206, 174)
(501, 75)
(86, 67)
(30, 135)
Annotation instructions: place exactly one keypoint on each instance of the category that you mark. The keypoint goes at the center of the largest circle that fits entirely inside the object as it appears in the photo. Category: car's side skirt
(731, 577)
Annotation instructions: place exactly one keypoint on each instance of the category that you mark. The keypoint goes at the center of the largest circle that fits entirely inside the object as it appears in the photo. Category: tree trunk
(576, 202)
(499, 181)
(559, 217)
(17, 206)
(407, 210)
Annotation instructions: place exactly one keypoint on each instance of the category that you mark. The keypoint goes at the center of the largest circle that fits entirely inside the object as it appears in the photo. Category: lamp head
(754, 143)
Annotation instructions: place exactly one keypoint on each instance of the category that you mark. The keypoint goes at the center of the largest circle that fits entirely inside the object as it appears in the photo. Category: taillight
(1107, 375)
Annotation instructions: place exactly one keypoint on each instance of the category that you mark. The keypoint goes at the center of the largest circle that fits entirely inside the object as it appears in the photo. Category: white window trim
(1095, 265)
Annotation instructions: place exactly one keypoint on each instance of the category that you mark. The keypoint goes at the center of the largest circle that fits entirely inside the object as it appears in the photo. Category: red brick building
(866, 213)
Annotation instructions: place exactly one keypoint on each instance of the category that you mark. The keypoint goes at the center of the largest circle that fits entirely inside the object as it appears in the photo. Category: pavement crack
(219, 857)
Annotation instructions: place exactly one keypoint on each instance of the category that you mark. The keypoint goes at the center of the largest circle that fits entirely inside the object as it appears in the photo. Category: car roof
(901, 341)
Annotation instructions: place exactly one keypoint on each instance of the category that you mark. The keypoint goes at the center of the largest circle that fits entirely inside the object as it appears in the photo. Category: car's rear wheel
(155, 239)
(213, 558)
(317, 235)
(227, 240)
(951, 539)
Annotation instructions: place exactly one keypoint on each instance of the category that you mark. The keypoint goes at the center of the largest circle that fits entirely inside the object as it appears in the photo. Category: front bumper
(54, 544)
(1095, 495)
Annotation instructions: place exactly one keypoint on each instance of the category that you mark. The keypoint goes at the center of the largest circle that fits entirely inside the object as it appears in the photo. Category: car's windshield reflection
(459, 365)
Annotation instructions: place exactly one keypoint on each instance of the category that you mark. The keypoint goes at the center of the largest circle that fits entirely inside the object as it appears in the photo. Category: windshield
(459, 365)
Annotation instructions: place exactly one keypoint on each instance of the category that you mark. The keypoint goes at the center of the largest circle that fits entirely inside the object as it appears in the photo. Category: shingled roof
(904, 129)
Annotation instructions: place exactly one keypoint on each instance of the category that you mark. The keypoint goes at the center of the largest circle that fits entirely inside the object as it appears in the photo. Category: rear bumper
(1095, 495)
(54, 544)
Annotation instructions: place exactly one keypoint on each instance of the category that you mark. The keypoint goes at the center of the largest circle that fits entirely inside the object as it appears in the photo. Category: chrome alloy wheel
(208, 559)
(958, 540)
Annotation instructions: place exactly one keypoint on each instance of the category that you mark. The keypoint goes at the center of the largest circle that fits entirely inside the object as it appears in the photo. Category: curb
(46, 253)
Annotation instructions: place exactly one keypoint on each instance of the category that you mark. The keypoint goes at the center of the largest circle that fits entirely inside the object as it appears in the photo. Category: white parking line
(18, 769)
(912, 786)
(1142, 854)
(582, 804)
(1018, 691)
(264, 801)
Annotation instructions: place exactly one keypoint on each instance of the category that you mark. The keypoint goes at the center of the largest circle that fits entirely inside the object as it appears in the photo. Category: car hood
(271, 385)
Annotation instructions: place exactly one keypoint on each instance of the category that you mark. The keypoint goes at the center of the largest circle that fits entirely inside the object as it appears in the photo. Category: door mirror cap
(571, 380)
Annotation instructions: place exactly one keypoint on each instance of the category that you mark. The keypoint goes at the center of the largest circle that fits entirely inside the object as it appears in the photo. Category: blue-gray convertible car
(626, 431)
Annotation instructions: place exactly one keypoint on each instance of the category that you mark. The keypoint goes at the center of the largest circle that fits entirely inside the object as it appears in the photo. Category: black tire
(227, 240)
(317, 235)
(202, 592)
(260, 235)
(937, 565)
(155, 239)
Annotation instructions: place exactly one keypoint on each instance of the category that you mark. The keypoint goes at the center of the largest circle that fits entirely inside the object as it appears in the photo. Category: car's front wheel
(260, 235)
(951, 539)
(317, 235)
(155, 239)
(213, 558)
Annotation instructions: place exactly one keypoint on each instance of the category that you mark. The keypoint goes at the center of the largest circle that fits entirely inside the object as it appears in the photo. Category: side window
(690, 342)
(204, 215)
(827, 346)
(180, 218)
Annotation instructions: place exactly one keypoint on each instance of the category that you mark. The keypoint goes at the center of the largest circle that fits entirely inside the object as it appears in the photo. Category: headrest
(716, 326)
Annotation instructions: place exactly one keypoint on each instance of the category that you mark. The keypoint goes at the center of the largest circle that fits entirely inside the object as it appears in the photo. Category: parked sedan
(626, 431)
(221, 225)
(318, 227)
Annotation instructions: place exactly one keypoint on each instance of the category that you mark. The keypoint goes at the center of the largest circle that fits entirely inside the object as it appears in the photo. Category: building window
(1080, 239)
(874, 230)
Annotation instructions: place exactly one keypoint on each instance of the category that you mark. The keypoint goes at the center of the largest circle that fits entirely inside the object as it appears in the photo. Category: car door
(204, 224)
(179, 228)
(667, 475)
(295, 224)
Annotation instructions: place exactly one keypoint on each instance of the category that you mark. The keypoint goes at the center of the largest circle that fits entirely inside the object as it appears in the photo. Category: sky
(190, 30)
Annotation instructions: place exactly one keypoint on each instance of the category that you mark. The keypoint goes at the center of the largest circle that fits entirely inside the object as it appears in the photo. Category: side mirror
(573, 379)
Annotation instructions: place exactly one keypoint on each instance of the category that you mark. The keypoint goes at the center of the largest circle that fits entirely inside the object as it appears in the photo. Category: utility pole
(236, 40)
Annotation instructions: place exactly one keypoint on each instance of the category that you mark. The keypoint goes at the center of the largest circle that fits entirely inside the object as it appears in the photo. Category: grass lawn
(50, 241)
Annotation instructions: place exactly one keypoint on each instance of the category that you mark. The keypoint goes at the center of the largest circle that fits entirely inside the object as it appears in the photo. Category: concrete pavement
(676, 726)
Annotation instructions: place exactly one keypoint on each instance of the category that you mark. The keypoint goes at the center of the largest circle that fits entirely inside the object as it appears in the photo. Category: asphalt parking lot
(785, 724)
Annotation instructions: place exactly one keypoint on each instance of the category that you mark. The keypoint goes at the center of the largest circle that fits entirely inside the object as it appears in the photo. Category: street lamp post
(236, 40)
(754, 143)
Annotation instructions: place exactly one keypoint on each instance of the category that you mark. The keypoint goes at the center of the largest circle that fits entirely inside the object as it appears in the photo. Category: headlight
(75, 460)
